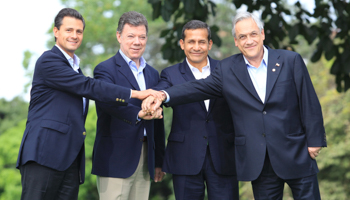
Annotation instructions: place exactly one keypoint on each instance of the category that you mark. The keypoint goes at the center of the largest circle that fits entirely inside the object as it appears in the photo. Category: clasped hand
(151, 104)
(152, 100)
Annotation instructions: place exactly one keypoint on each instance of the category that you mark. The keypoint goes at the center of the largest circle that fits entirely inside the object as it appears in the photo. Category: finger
(146, 104)
(156, 104)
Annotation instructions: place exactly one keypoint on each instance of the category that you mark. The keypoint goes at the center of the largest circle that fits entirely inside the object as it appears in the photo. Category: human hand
(152, 102)
(142, 94)
(159, 174)
(157, 114)
(314, 151)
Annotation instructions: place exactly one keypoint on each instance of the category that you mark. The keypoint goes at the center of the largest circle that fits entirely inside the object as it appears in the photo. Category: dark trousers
(43, 183)
(269, 186)
(219, 187)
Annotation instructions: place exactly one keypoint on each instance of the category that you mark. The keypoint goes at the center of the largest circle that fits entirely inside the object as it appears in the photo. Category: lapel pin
(273, 69)
(277, 64)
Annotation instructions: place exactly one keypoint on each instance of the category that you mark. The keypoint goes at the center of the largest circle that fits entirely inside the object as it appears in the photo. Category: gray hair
(133, 18)
(246, 15)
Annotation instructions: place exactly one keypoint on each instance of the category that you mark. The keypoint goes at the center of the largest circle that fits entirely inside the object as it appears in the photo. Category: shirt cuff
(167, 97)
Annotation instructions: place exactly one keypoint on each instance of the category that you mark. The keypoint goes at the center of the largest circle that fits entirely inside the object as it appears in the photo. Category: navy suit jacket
(55, 133)
(193, 128)
(118, 143)
(285, 125)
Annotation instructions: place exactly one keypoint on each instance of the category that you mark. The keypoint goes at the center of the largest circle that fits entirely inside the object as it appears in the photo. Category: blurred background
(317, 29)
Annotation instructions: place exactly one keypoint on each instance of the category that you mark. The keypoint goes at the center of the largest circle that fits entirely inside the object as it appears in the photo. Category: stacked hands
(152, 101)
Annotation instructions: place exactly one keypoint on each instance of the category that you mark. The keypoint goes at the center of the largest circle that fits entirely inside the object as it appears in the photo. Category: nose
(74, 34)
(249, 39)
(137, 41)
(196, 46)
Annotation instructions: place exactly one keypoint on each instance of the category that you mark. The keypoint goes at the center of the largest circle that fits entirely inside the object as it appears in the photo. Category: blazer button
(205, 137)
(117, 99)
(264, 112)
(263, 134)
(84, 133)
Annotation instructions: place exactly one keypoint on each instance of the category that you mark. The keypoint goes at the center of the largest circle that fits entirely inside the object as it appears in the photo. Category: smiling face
(196, 46)
(249, 40)
(133, 41)
(69, 35)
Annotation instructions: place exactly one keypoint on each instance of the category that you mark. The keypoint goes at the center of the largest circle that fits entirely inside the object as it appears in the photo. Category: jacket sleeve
(310, 108)
(197, 90)
(58, 75)
(127, 113)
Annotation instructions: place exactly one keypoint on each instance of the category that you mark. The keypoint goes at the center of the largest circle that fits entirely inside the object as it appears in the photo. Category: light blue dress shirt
(259, 75)
(74, 63)
(138, 72)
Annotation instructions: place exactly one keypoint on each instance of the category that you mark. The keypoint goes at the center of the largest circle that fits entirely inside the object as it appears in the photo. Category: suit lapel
(148, 77)
(58, 52)
(126, 71)
(188, 76)
(212, 67)
(274, 67)
(239, 68)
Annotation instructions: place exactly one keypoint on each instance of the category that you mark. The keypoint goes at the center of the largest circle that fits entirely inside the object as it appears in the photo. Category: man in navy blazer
(127, 151)
(51, 157)
(200, 148)
(276, 114)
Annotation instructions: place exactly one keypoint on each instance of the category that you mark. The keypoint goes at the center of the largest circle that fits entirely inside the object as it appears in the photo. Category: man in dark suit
(127, 151)
(51, 157)
(200, 148)
(276, 113)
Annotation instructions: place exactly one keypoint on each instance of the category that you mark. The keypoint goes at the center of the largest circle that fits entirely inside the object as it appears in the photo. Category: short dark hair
(196, 24)
(133, 18)
(67, 12)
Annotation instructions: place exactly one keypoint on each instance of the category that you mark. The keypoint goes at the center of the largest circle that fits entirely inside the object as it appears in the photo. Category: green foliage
(10, 181)
(11, 112)
(282, 21)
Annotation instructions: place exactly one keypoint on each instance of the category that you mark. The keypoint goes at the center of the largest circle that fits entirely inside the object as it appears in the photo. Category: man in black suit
(51, 157)
(200, 148)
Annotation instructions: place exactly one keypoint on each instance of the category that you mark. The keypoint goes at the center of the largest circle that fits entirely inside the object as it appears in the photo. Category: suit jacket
(285, 125)
(119, 135)
(194, 128)
(55, 133)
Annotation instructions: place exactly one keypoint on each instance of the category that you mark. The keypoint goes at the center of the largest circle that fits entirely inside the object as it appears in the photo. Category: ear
(182, 45)
(263, 34)
(236, 41)
(55, 31)
(119, 37)
(210, 44)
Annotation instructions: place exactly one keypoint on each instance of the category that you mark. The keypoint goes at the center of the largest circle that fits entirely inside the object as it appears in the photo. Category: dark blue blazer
(55, 133)
(118, 143)
(193, 128)
(285, 125)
